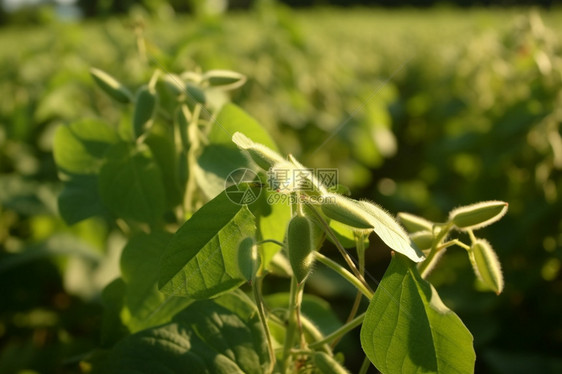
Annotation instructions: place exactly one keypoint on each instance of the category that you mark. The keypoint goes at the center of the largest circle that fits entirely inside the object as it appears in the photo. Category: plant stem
(345, 274)
(338, 245)
(365, 366)
(360, 246)
(339, 332)
(291, 327)
(426, 265)
(256, 286)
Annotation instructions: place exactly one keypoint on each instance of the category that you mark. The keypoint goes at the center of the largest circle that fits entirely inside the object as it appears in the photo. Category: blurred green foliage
(419, 111)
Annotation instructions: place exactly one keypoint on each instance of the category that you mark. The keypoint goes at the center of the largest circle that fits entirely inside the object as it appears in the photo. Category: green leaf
(221, 156)
(408, 329)
(145, 305)
(209, 337)
(79, 148)
(201, 259)
(231, 119)
(130, 184)
(80, 199)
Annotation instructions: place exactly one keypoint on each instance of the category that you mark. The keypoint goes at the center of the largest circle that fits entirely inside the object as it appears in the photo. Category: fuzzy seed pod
(326, 364)
(486, 265)
(111, 86)
(145, 106)
(476, 216)
(423, 239)
(264, 157)
(299, 245)
(345, 210)
(414, 223)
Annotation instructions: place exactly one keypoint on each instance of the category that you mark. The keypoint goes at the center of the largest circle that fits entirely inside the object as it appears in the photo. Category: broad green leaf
(79, 148)
(130, 184)
(145, 306)
(221, 156)
(201, 259)
(408, 329)
(208, 337)
(80, 199)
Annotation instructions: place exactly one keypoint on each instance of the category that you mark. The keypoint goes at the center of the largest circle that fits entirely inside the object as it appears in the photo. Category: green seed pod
(264, 157)
(414, 223)
(248, 258)
(299, 245)
(111, 86)
(195, 93)
(486, 265)
(145, 107)
(476, 216)
(345, 210)
(224, 79)
(183, 117)
(326, 364)
(423, 239)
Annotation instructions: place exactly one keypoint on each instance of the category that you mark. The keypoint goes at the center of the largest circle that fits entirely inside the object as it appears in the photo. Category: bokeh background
(427, 105)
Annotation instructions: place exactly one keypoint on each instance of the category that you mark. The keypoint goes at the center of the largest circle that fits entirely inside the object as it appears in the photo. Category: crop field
(418, 110)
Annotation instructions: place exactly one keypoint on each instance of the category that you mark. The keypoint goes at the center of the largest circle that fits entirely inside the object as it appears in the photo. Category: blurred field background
(441, 106)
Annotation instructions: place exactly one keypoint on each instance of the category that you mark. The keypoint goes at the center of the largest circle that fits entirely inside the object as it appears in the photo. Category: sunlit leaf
(222, 336)
(201, 259)
(408, 329)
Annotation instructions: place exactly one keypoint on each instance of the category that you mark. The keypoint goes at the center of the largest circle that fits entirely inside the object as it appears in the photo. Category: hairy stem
(345, 274)
(428, 263)
(339, 332)
(256, 287)
(338, 245)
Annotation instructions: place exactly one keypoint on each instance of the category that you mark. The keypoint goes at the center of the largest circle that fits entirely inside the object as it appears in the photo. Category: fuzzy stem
(291, 327)
(365, 366)
(338, 245)
(426, 265)
(345, 274)
(256, 286)
(339, 332)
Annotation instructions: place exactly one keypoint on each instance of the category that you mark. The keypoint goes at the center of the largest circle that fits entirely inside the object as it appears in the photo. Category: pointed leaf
(408, 329)
(201, 259)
